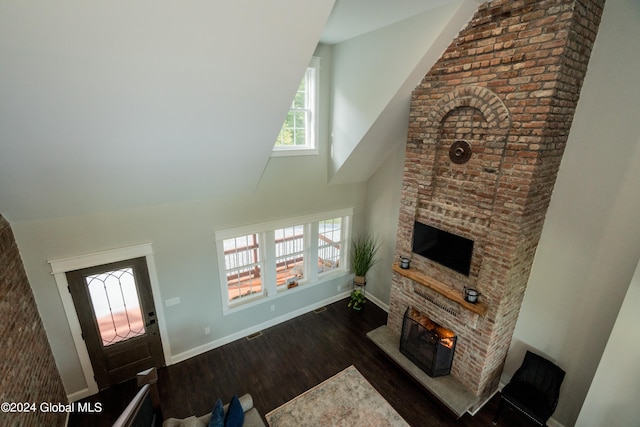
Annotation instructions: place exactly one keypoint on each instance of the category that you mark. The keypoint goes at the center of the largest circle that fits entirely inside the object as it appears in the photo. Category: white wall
(183, 243)
(127, 99)
(182, 237)
(373, 78)
(613, 397)
(382, 209)
(590, 242)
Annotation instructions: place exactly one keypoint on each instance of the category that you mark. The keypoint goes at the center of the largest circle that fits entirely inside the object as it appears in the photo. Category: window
(289, 244)
(242, 266)
(330, 243)
(298, 133)
(115, 303)
(263, 260)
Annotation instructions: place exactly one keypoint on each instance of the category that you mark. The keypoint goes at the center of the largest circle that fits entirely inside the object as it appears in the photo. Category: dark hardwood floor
(284, 361)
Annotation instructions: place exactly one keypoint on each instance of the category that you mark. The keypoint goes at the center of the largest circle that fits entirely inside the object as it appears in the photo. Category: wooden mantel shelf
(441, 288)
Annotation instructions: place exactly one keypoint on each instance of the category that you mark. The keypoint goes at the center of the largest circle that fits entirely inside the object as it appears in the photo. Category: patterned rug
(346, 399)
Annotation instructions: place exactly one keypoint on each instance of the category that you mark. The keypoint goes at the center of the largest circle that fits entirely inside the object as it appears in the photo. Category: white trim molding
(59, 268)
(267, 259)
(279, 223)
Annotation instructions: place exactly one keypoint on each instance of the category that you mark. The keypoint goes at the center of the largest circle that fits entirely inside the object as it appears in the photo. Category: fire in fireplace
(427, 344)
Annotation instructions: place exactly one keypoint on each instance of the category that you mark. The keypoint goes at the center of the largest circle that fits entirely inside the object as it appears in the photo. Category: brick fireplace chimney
(507, 86)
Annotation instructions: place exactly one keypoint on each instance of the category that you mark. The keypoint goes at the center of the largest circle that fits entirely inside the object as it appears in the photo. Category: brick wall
(28, 372)
(508, 85)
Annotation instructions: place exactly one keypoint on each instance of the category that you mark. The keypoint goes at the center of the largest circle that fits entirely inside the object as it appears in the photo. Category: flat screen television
(445, 248)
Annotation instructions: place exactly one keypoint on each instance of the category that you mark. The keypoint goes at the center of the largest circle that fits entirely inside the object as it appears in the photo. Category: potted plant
(363, 257)
(357, 299)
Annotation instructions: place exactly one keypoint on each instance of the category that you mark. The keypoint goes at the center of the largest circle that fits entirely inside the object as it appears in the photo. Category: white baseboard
(80, 394)
(377, 302)
(256, 328)
(553, 423)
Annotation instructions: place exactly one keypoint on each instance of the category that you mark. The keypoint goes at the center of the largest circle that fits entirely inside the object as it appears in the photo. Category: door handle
(151, 322)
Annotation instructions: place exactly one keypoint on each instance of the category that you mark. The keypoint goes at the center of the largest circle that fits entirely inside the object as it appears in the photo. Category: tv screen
(443, 247)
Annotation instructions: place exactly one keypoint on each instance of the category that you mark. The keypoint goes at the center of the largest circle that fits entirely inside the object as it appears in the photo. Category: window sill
(295, 152)
(256, 301)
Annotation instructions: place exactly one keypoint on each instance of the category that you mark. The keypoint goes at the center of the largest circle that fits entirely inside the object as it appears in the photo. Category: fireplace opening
(427, 344)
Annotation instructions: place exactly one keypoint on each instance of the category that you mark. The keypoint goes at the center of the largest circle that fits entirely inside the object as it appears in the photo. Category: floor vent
(320, 310)
(254, 336)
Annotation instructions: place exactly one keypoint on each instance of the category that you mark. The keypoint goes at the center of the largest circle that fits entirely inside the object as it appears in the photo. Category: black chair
(534, 389)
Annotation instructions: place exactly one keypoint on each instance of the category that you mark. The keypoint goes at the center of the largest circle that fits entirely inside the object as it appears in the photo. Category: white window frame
(266, 239)
(312, 77)
(345, 244)
(304, 253)
(259, 263)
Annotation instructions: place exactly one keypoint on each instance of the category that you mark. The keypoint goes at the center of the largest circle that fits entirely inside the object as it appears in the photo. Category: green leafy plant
(363, 254)
(357, 299)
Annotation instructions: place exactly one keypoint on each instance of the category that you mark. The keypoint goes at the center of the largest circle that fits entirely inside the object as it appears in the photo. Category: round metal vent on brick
(460, 152)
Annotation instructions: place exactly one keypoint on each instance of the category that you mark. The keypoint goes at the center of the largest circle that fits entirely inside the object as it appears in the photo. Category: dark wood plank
(287, 360)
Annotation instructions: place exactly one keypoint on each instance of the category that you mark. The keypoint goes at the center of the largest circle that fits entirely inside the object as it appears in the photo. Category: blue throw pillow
(217, 416)
(235, 414)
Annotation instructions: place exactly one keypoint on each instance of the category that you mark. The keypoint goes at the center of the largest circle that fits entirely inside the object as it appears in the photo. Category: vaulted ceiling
(109, 105)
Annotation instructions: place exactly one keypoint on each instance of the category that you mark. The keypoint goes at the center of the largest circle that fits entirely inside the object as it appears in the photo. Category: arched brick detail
(484, 100)
(485, 123)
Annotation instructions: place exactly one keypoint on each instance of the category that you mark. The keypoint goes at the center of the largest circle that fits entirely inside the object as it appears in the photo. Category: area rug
(346, 399)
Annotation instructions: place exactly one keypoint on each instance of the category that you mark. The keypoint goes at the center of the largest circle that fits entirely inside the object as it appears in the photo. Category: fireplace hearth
(430, 346)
